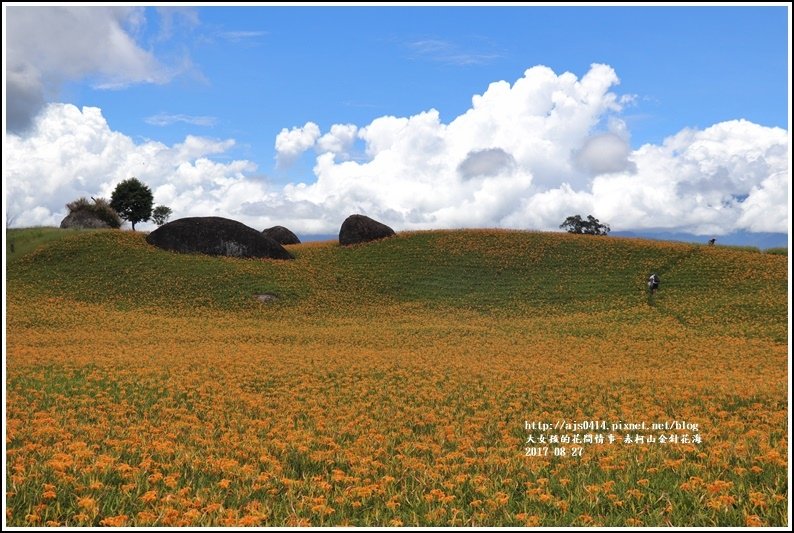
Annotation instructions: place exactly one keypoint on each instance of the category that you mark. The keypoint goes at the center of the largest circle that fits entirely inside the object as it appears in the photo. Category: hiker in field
(653, 283)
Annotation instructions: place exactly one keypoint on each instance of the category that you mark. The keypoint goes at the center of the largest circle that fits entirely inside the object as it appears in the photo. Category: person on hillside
(653, 283)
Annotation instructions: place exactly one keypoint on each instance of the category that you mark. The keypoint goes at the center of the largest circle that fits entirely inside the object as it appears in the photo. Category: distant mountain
(319, 237)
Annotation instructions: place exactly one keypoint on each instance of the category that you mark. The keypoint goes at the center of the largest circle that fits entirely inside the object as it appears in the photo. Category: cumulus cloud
(72, 152)
(605, 153)
(488, 162)
(47, 46)
(762, 210)
(515, 139)
(339, 140)
(529, 154)
(290, 144)
(524, 155)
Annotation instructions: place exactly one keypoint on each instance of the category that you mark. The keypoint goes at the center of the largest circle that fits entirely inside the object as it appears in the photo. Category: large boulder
(360, 228)
(83, 219)
(282, 235)
(215, 236)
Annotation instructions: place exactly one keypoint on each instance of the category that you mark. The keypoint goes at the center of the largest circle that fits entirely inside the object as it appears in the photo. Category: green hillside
(724, 290)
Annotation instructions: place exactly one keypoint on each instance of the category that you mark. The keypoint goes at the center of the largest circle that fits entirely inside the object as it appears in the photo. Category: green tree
(160, 214)
(591, 226)
(133, 201)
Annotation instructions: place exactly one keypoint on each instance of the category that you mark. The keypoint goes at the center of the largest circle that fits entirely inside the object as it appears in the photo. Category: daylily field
(393, 383)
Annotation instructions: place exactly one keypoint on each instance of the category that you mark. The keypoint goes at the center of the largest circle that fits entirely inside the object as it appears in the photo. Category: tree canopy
(590, 226)
(160, 214)
(133, 201)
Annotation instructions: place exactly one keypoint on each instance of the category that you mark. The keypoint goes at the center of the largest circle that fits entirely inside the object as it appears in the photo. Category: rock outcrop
(282, 235)
(83, 219)
(359, 228)
(215, 236)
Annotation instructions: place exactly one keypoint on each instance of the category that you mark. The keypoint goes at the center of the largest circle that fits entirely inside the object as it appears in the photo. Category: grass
(20, 242)
(489, 271)
(776, 251)
(390, 382)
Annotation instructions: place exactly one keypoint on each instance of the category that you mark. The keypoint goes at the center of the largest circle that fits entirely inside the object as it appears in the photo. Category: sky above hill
(649, 118)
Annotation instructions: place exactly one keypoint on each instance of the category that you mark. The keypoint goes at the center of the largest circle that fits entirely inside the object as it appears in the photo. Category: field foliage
(389, 383)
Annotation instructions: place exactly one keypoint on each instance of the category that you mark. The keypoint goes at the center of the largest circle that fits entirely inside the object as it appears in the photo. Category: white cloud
(525, 155)
(339, 140)
(450, 53)
(517, 140)
(699, 181)
(290, 144)
(47, 46)
(763, 210)
(605, 153)
(167, 119)
(242, 36)
(173, 19)
(488, 162)
(531, 153)
(72, 153)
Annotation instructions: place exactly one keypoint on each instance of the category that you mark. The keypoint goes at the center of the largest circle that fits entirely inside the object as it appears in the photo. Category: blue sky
(257, 70)
(244, 74)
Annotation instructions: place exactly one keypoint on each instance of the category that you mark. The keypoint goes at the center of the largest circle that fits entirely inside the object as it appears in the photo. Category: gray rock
(359, 228)
(282, 235)
(83, 220)
(215, 236)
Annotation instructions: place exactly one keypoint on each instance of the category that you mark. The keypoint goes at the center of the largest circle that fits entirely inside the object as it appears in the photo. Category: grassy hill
(725, 290)
(390, 383)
